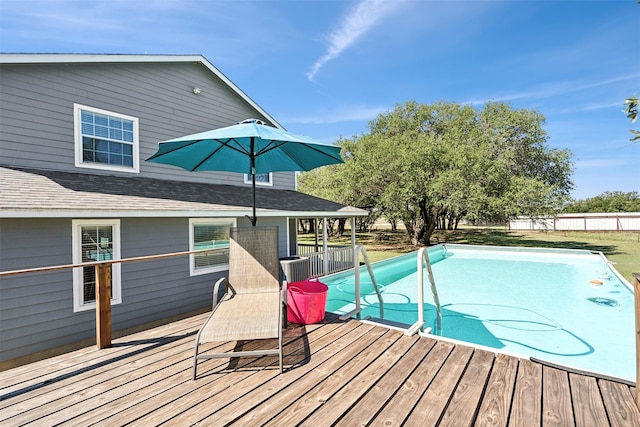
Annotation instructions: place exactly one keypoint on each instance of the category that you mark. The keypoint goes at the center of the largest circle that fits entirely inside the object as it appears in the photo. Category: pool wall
(496, 317)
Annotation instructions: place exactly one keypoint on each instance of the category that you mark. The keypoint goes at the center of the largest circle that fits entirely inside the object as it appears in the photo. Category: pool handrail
(357, 250)
(423, 256)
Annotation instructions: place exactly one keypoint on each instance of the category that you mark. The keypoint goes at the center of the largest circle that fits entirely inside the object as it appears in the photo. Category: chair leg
(280, 348)
(195, 354)
(283, 314)
(195, 362)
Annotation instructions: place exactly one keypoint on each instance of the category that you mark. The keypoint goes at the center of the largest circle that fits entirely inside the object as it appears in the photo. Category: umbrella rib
(156, 156)
(222, 144)
(272, 146)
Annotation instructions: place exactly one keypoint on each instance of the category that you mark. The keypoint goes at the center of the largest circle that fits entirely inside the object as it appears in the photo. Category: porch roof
(31, 193)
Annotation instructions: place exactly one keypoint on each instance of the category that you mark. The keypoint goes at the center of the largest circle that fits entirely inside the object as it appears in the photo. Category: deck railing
(337, 258)
(103, 291)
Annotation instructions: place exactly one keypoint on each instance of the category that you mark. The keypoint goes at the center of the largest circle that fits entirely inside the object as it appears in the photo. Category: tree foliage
(609, 201)
(431, 165)
(631, 110)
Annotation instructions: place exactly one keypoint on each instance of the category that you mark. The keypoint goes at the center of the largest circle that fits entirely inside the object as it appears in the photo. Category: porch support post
(353, 232)
(103, 305)
(315, 232)
(325, 247)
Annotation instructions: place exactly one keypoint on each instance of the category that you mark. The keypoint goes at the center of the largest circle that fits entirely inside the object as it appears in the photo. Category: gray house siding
(35, 307)
(36, 114)
(42, 191)
(36, 310)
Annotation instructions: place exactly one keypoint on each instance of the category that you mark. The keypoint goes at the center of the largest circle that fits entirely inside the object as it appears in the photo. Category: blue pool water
(536, 302)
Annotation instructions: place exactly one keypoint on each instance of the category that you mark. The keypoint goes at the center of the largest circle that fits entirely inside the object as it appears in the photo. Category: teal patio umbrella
(250, 147)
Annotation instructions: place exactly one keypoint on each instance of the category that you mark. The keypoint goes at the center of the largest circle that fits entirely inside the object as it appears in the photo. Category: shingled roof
(28, 193)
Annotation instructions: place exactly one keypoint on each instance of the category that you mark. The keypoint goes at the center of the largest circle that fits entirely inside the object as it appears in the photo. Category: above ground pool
(567, 307)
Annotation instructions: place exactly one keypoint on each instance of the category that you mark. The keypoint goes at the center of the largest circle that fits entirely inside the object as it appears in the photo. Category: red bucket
(306, 301)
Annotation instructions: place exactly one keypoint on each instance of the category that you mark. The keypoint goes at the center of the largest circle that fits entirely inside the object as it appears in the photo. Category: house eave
(231, 213)
(66, 58)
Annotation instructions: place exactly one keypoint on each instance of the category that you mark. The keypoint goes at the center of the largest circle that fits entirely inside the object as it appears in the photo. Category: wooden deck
(338, 373)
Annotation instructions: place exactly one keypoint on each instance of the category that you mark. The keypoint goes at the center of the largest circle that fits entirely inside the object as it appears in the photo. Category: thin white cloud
(602, 164)
(556, 89)
(360, 20)
(339, 115)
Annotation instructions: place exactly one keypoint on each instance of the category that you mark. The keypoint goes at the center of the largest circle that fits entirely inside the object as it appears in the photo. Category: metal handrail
(357, 250)
(423, 256)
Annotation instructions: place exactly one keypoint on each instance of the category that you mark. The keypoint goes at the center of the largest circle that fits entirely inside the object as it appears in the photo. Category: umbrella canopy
(249, 147)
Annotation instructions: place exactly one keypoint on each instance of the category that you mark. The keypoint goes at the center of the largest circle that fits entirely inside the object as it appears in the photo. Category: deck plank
(366, 408)
(304, 378)
(109, 386)
(337, 373)
(191, 393)
(194, 409)
(142, 401)
(463, 407)
(402, 402)
(76, 381)
(556, 398)
(619, 403)
(494, 409)
(526, 407)
(588, 407)
(360, 387)
(48, 370)
(431, 406)
(321, 386)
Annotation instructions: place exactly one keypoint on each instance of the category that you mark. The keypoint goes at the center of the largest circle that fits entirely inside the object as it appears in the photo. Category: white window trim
(77, 134)
(247, 180)
(192, 258)
(78, 281)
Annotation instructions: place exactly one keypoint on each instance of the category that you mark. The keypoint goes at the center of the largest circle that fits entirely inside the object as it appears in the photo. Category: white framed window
(105, 140)
(94, 240)
(261, 179)
(209, 233)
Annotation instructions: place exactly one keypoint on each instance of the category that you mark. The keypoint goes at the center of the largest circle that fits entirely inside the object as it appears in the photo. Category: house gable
(39, 93)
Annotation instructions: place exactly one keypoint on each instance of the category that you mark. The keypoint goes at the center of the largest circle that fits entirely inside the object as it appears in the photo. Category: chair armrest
(216, 290)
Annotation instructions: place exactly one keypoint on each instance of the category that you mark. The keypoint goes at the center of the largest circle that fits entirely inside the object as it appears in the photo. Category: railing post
(325, 247)
(636, 290)
(103, 305)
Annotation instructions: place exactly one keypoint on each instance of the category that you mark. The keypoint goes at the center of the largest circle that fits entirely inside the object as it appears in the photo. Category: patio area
(336, 373)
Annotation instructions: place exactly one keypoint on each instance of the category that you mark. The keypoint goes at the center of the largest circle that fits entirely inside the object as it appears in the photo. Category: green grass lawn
(622, 248)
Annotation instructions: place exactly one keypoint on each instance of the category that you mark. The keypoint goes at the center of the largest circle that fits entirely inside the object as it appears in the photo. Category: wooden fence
(623, 221)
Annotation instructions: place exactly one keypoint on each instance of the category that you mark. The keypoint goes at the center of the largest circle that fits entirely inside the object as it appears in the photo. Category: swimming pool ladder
(357, 250)
(423, 257)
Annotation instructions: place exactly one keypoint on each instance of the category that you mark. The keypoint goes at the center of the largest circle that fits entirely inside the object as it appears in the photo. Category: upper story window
(261, 179)
(105, 140)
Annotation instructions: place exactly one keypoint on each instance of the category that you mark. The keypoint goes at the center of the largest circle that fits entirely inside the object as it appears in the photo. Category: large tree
(431, 165)
(609, 201)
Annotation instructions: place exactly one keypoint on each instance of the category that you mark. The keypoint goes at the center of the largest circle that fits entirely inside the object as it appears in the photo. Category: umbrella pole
(254, 219)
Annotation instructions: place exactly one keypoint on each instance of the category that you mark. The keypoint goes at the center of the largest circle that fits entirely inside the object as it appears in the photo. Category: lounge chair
(251, 307)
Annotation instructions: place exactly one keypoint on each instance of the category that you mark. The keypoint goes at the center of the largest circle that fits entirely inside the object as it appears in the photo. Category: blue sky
(326, 68)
